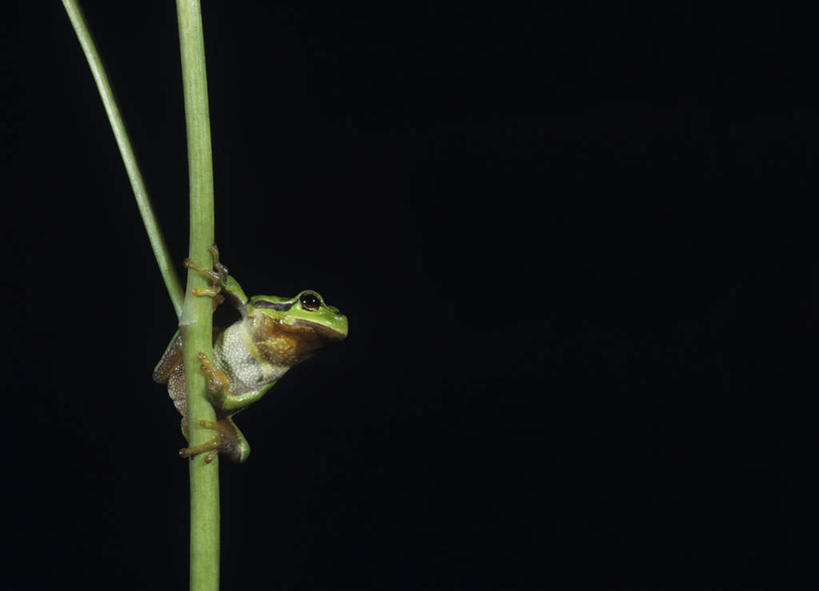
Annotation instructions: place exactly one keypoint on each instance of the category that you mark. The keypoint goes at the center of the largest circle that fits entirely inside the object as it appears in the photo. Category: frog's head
(306, 312)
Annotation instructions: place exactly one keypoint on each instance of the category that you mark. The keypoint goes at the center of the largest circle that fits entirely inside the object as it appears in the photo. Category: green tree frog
(249, 356)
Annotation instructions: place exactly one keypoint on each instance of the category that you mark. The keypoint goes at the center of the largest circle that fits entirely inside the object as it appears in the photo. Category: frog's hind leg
(228, 441)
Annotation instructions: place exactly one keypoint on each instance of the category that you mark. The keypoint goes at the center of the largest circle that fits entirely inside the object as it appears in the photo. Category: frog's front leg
(219, 388)
(218, 382)
(221, 283)
(216, 277)
(228, 440)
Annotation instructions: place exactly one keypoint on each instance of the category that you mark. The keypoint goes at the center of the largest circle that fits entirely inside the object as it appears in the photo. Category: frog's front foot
(218, 382)
(216, 277)
(228, 441)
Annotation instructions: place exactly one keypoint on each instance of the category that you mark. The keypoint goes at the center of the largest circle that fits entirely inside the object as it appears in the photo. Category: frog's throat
(272, 341)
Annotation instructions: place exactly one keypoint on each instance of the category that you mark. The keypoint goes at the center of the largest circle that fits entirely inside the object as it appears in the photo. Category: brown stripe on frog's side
(278, 306)
(282, 343)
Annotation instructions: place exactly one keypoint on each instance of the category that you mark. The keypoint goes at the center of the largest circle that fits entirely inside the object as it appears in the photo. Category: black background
(576, 246)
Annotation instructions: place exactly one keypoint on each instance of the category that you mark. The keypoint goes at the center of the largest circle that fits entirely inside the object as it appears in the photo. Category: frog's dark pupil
(310, 301)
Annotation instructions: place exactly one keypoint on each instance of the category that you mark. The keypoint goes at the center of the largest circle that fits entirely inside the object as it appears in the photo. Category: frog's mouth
(323, 332)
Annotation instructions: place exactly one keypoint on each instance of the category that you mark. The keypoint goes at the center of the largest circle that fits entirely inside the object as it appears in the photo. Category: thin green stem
(195, 323)
(195, 313)
(163, 259)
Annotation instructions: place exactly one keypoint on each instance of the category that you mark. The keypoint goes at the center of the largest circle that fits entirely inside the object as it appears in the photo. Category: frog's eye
(310, 301)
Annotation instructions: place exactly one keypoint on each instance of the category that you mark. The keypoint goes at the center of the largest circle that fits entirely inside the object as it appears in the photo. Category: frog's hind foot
(226, 441)
(212, 446)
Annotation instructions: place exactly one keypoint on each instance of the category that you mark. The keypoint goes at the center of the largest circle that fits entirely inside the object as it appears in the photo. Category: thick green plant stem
(195, 324)
(163, 259)
(194, 312)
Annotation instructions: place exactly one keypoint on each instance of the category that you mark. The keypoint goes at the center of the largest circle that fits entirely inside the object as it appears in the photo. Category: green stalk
(194, 312)
(163, 259)
(195, 323)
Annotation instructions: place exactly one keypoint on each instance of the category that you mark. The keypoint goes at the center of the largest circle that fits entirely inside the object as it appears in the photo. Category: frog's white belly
(233, 353)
